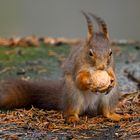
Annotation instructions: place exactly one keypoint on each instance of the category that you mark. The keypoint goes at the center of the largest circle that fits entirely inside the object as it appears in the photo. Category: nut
(100, 80)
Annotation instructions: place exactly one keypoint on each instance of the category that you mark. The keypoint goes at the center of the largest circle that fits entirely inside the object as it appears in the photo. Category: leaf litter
(43, 121)
(42, 124)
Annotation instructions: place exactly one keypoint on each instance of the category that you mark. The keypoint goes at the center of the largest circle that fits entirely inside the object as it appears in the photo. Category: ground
(45, 62)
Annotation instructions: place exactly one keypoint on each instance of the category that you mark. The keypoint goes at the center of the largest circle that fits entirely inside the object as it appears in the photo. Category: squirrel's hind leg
(72, 116)
(114, 116)
(72, 100)
(108, 105)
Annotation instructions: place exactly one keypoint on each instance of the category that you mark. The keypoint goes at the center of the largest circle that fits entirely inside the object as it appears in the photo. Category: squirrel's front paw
(112, 77)
(112, 82)
(83, 80)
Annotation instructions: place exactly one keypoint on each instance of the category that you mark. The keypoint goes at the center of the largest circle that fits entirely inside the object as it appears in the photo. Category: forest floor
(44, 62)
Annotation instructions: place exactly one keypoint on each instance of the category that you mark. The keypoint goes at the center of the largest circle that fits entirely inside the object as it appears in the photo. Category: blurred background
(63, 18)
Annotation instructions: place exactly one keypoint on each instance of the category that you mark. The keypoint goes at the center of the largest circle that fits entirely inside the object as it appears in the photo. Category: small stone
(117, 134)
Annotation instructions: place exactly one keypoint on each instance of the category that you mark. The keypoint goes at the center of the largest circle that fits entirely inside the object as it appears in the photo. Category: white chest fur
(91, 101)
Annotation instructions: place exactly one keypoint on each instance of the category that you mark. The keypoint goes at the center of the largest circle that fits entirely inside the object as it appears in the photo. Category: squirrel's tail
(21, 93)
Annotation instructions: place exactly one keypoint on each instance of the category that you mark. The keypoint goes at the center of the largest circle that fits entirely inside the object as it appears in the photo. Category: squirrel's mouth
(105, 91)
(109, 89)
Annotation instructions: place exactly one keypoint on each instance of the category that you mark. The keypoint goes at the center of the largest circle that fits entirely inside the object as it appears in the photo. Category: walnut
(100, 80)
(89, 79)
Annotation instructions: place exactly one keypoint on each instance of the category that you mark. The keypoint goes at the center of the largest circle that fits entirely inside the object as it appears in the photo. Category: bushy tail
(21, 93)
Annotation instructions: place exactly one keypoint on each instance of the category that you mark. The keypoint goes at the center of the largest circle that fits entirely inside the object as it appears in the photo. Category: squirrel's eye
(110, 52)
(90, 52)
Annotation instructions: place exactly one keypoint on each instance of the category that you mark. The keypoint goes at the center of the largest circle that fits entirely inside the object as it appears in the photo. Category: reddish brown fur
(20, 93)
(83, 80)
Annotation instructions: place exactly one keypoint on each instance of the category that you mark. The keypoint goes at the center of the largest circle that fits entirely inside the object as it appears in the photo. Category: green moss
(34, 62)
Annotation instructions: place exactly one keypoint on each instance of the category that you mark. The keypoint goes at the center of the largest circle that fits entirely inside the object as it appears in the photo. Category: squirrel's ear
(90, 26)
(102, 25)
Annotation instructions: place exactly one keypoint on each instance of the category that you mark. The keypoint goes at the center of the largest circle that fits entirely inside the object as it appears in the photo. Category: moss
(32, 61)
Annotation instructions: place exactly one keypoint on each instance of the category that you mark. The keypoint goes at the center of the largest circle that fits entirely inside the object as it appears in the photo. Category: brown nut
(100, 80)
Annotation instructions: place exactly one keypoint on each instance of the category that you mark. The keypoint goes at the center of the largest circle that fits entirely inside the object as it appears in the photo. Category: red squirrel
(65, 94)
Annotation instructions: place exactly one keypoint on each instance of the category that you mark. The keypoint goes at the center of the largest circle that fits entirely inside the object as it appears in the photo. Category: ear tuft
(102, 25)
(90, 26)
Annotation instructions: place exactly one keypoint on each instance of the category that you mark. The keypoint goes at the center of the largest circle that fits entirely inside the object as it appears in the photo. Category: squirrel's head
(97, 46)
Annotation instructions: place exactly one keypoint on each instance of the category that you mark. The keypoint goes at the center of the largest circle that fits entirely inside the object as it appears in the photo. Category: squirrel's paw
(113, 82)
(83, 80)
(117, 117)
(72, 119)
